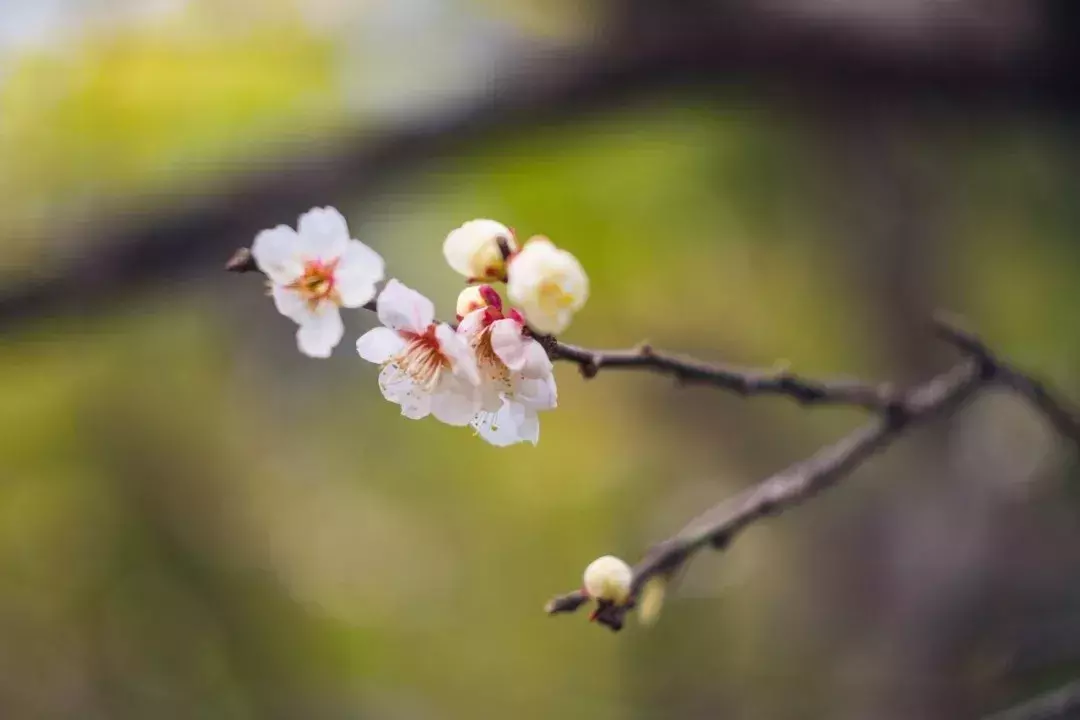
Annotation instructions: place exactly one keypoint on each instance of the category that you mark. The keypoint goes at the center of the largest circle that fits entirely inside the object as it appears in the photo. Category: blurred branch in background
(963, 55)
(1061, 704)
(939, 396)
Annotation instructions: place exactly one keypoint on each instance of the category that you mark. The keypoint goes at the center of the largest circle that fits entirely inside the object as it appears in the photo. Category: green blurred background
(198, 522)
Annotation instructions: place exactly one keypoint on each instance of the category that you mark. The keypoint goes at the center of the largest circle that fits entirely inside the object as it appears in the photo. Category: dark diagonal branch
(937, 397)
(1061, 704)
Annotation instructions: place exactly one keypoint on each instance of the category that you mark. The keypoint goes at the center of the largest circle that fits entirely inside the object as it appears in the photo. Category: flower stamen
(317, 283)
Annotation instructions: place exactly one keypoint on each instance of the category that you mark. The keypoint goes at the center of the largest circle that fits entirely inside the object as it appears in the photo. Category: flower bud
(477, 297)
(651, 600)
(479, 249)
(549, 284)
(608, 578)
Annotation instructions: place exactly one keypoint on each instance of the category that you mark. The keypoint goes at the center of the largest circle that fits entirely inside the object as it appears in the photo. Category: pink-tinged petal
(402, 308)
(461, 356)
(509, 343)
(277, 254)
(320, 332)
(324, 234)
(357, 273)
(290, 303)
(456, 402)
(471, 325)
(379, 345)
(398, 388)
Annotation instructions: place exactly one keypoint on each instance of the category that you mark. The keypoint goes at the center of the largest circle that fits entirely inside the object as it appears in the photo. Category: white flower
(427, 368)
(315, 271)
(516, 380)
(549, 284)
(608, 578)
(476, 297)
(478, 249)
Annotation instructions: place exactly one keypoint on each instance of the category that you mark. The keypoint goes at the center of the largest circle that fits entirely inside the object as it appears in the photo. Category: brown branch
(937, 397)
(1060, 704)
(743, 381)
(1064, 419)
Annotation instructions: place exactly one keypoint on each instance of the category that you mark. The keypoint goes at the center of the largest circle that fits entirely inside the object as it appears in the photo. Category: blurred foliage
(197, 522)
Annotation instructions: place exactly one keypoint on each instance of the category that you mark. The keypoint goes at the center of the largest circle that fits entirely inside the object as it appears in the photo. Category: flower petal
(379, 345)
(455, 402)
(277, 253)
(537, 393)
(358, 270)
(398, 387)
(461, 355)
(510, 425)
(290, 303)
(402, 308)
(324, 234)
(519, 353)
(471, 325)
(320, 331)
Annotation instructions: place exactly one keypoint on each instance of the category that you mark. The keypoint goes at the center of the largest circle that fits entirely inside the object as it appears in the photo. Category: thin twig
(937, 397)
(719, 525)
(1064, 419)
(1059, 704)
(894, 411)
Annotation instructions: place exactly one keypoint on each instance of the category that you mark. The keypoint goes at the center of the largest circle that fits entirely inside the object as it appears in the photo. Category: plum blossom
(479, 250)
(608, 579)
(476, 297)
(427, 368)
(548, 284)
(516, 380)
(315, 270)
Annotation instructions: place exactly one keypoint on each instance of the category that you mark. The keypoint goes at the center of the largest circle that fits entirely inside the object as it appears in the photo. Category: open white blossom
(548, 284)
(516, 380)
(608, 578)
(427, 368)
(314, 271)
(476, 249)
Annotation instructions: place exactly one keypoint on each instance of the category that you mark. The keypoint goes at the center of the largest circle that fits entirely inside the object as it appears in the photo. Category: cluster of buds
(489, 371)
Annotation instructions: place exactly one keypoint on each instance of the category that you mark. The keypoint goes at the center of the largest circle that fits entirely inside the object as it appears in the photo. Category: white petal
(508, 342)
(398, 387)
(510, 425)
(290, 303)
(324, 233)
(461, 355)
(277, 253)
(455, 402)
(358, 270)
(320, 331)
(402, 308)
(379, 344)
(538, 393)
(519, 353)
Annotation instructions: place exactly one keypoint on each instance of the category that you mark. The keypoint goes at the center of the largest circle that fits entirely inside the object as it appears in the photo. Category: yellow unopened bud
(477, 297)
(608, 578)
(651, 600)
(479, 248)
